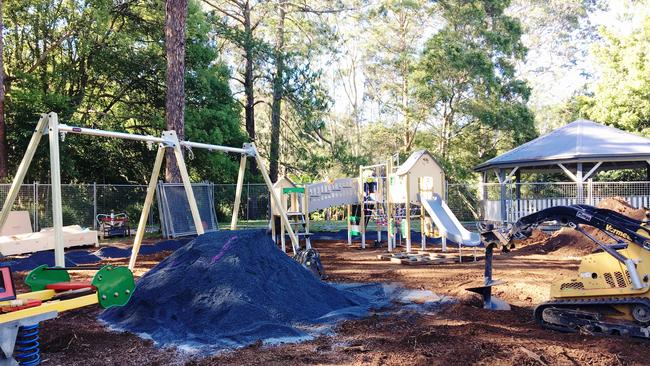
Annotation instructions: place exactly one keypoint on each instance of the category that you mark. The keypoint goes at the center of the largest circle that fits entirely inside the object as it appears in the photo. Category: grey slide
(447, 223)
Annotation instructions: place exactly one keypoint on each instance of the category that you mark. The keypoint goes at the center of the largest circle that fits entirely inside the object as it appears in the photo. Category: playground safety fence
(472, 202)
(82, 202)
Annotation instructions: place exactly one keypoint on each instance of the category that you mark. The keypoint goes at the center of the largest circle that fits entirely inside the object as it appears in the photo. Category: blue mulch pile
(79, 257)
(229, 289)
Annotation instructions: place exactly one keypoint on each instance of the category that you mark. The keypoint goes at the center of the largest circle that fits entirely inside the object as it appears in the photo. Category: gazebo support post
(484, 194)
(518, 192)
(501, 175)
(503, 180)
(579, 178)
(579, 184)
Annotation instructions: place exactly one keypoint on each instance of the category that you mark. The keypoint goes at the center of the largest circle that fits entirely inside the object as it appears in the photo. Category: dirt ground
(459, 334)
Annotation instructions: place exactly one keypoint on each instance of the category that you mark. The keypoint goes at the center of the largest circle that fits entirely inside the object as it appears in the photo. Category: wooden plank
(57, 202)
(22, 169)
(151, 190)
(185, 177)
(238, 190)
(275, 199)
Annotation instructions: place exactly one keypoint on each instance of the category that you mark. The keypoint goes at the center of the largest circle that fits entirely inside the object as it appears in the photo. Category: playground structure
(52, 290)
(49, 125)
(299, 202)
(388, 194)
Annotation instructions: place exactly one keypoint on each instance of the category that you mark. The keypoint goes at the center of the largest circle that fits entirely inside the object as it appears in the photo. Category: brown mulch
(459, 334)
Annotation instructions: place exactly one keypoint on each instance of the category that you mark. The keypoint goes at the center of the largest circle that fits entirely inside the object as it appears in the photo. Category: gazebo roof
(579, 141)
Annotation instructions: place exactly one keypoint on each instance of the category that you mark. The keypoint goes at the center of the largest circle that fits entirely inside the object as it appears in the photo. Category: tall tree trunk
(175, 25)
(248, 73)
(249, 55)
(278, 88)
(4, 169)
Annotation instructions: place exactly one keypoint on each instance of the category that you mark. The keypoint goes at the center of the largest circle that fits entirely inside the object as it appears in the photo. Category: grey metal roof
(579, 141)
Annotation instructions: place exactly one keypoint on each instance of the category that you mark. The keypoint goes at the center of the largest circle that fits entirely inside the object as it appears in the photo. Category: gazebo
(579, 150)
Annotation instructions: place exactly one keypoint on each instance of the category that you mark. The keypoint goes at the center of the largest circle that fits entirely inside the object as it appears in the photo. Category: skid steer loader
(611, 292)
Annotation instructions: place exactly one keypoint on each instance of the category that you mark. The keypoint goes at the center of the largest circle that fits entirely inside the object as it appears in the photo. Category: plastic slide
(447, 223)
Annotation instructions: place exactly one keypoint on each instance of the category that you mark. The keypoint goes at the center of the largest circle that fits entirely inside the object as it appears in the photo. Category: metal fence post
(94, 205)
(248, 200)
(37, 224)
(34, 208)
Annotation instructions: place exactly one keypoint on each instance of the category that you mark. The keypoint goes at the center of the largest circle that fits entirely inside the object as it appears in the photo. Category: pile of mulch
(568, 242)
(536, 237)
(229, 289)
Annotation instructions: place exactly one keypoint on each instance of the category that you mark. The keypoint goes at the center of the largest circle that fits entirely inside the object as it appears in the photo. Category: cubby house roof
(408, 165)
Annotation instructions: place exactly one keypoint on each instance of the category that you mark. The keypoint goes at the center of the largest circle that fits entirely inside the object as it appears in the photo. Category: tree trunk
(4, 169)
(278, 88)
(249, 91)
(175, 25)
(248, 74)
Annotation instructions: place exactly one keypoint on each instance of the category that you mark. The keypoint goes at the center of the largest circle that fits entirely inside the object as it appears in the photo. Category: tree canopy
(319, 86)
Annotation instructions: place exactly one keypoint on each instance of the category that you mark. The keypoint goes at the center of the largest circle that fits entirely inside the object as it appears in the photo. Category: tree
(467, 84)
(109, 73)
(558, 35)
(237, 23)
(175, 26)
(278, 92)
(395, 29)
(4, 169)
(294, 78)
(621, 96)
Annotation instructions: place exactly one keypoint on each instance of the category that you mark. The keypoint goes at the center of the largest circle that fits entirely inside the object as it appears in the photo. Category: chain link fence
(469, 202)
(83, 202)
(473, 202)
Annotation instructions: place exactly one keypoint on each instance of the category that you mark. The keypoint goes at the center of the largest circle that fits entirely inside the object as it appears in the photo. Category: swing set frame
(49, 125)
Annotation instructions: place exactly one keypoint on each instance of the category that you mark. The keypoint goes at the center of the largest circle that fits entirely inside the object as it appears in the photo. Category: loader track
(564, 316)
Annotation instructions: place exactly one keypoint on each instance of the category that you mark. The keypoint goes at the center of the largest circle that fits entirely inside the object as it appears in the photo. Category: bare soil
(459, 334)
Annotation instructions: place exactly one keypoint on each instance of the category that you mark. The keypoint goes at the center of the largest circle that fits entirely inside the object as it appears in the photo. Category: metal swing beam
(48, 124)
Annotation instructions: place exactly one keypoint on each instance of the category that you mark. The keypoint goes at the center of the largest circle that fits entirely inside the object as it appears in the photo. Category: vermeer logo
(618, 232)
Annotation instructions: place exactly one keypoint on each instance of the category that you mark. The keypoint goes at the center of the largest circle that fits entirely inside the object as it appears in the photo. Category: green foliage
(467, 83)
(102, 65)
(621, 97)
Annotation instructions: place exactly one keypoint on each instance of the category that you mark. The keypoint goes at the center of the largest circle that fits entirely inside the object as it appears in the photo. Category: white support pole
(22, 168)
(592, 171)
(407, 215)
(102, 133)
(389, 207)
(275, 199)
(362, 201)
(349, 210)
(240, 185)
(283, 239)
(151, 190)
(305, 208)
(55, 175)
(502, 194)
(579, 184)
(423, 237)
(568, 173)
(171, 137)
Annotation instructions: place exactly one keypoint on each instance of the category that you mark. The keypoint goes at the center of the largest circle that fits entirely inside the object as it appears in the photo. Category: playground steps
(426, 258)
